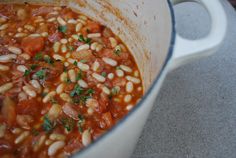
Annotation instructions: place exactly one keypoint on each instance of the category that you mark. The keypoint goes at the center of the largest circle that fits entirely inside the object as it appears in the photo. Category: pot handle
(186, 50)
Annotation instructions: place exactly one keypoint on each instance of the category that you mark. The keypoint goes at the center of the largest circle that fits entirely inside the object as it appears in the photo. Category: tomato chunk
(32, 45)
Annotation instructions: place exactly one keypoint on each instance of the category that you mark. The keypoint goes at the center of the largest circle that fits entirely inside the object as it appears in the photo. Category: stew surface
(64, 80)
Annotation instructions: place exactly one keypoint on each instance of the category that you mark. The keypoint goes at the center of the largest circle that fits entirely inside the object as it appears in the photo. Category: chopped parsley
(115, 91)
(48, 59)
(48, 125)
(33, 66)
(75, 63)
(62, 29)
(79, 75)
(68, 123)
(104, 74)
(38, 56)
(80, 123)
(41, 74)
(27, 72)
(85, 40)
(90, 91)
(71, 48)
(34, 132)
(76, 91)
(117, 50)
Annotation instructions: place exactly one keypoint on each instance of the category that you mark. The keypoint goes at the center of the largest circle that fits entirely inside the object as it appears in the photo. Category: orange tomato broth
(45, 110)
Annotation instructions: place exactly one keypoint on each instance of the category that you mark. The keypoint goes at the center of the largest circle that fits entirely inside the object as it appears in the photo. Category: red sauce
(64, 81)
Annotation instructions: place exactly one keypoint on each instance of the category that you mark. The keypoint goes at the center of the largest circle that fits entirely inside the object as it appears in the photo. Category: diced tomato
(83, 55)
(103, 102)
(70, 111)
(32, 45)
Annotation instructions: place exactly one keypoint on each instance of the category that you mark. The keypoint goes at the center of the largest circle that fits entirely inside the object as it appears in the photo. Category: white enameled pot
(148, 29)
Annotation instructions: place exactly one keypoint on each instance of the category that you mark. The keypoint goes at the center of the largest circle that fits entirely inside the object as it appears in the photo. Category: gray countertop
(195, 112)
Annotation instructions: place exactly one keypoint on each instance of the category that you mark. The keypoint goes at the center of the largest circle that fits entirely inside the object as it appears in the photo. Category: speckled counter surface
(195, 112)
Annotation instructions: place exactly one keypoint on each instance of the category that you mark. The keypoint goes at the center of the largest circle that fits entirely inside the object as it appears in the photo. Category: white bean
(36, 85)
(72, 75)
(120, 73)
(109, 61)
(54, 111)
(25, 56)
(54, 147)
(44, 34)
(5, 87)
(28, 90)
(75, 37)
(65, 97)
(94, 45)
(22, 96)
(86, 137)
(2, 130)
(63, 48)
(99, 47)
(125, 68)
(92, 103)
(14, 50)
(64, 41)
(127, 98)
(78, 27)
(49, 96)
(29, 27)
(35, 35)
(16, 131)
(70, 60)
(39, 144)
(58, 57)
(21, 68)
(22, 137)
(83, 17)
(4, 67)
(56, 47)
(95, 66)
(51, 19)
(82, 66)
(94, 35)
(61, 21)
(54, 13)
(133, 79)
(98, 77)
(113, 42)
(129, 87)
(129, 107)
(3, 27)
(106, 90)
(71, 21)
(63, 77)
(7, 58)
(66, 64)
(81, 21)
(60, 88)
(82, 47)
(19, 35)
(56, 136)
(110, 76)
(82, 84)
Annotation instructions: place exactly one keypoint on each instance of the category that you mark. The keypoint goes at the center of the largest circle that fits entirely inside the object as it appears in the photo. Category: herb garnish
(68, 123)
(90, 91)
(48, 59)
(117, 50)
(62, 29)
(33, 66)
(38, 56)
(85, 40)
(76, 91)
(41, 74)
(104, 74)
(83, 61)
(79, 75)
(75, 63)
(34, 132)
(27, 72)
(48, 125)
(80, 123)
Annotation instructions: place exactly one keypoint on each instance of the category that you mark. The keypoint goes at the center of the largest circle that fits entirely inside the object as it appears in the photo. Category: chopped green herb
(80, 123)
(104, 74)
(38, 56)
(115, 91)
(75, 63)
(68, 123)
(117, 50)
(33, 66)
(68, 80)
(118, 68)
(53, 101)
(48, 59)
(48, 125)
(79, 75)
(34, 132)
(26, 73)
(83, 61)
(76, 91)
(90, 91)
(71, 48)
(87, 30)
(62, 29)
(85, 40)
(83, 99)
(41, 74)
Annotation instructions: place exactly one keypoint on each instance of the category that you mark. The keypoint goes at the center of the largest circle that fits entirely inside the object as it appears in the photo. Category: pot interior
(144, 26)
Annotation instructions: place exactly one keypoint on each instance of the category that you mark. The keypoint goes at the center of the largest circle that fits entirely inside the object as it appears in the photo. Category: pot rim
(150, 90)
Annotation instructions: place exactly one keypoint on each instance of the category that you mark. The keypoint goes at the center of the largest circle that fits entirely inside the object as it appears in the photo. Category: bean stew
(64, 81)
